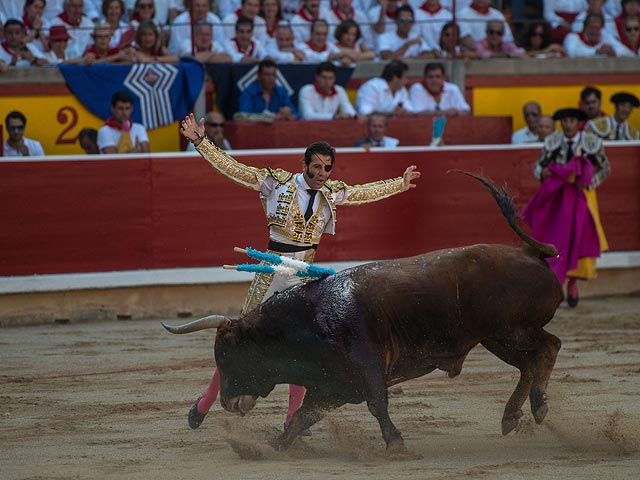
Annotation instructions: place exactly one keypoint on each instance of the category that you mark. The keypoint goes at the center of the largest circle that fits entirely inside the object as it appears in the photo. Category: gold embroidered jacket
(278, 192)
(605, 128)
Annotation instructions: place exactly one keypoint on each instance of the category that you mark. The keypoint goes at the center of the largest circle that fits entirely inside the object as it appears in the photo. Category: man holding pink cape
(564, 211)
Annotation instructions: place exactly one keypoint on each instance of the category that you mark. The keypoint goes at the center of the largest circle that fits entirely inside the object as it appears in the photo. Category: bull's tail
(508, 209)
(212, 321)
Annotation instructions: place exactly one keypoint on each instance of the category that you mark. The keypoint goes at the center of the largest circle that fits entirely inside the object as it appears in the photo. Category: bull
(349, 337)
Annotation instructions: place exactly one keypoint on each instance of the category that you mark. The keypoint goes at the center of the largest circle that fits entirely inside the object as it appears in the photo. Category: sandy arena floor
(109, 401)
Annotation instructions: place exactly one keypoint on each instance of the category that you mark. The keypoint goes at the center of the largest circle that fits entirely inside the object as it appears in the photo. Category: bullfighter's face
(317, 173)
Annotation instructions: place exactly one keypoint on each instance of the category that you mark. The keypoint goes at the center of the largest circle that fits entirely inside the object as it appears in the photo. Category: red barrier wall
(146, 212)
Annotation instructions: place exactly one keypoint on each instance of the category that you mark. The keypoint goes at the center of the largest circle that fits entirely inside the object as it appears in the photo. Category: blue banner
(162, 93)
(231, 79)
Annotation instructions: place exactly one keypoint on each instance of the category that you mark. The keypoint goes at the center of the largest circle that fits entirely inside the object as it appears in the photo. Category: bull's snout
(240, 405)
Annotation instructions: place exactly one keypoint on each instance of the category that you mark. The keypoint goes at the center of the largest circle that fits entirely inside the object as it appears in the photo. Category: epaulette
(600, 127)
(591, 143)
(553, 141)
(281, 176)
(335, 185)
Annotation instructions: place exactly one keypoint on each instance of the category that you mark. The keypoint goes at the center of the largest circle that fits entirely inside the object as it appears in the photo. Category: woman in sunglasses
(631, 38)
(538, 42)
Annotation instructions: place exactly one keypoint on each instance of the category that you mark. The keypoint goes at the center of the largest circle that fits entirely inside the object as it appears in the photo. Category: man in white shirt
(473, 22)
(387, 93)
(301, 22)
(16, 144)
(181, 26)
(283, 48)
(207, 50)
(119, 134)
(430, 18)
(317, 49)
(405, 41)
(78, 25)
(528, 134)
(435, 96)
(376, 128)
(243, 48)
(324, 100)
(592, 42)
(249, 9)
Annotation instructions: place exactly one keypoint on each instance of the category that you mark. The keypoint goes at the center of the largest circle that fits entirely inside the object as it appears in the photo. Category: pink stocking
(296, 395)
(210, 394)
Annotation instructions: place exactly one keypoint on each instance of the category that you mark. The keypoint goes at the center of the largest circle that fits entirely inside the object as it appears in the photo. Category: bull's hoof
(304, 433)
(396, 451)
(195, 418)
(540, 412)
(510, 422)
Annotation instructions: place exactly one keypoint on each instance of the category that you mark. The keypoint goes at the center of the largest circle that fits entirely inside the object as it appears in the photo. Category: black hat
(622, 97)
(569, 112)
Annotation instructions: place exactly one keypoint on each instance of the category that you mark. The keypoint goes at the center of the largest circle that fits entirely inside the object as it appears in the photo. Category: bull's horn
(212, 321)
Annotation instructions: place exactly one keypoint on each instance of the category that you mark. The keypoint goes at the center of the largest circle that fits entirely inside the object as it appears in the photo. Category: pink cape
(558, 214)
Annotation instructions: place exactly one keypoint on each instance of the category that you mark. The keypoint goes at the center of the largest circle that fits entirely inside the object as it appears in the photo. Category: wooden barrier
(343, 133)
(75, 214)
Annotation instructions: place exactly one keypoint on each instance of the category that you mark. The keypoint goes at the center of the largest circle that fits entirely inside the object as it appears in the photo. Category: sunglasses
(15, 128)
(495, 32)
(213, 124)
(632, 29)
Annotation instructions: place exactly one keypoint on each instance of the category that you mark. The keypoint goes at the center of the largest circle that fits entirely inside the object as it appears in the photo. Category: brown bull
(350, 336)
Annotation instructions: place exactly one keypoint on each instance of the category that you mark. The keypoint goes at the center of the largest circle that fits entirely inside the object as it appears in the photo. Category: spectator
(616, 126)
(528, 134)
(148, 47)
(101, 51)
(591, 103)
(35, 26)
(560, 15)
(564, 210)
(631, 38)
(88, 141)
(59, 53)
(629, 8)
(181, 27)
(343, 11)
(265, 97)
(304, 17)
(431, 18)
(113, 11)
(250, 10)
(324, 100)
(14, 52)
(595, 6)
(493, 45)
(473, 19)
(317, 50)
(16, 144)
(207, 49)
(538, 42)
(146, 10)
(119, 134)
(376, 129)
(387, 93)
(164, 11)
(271, 12)
(282, 49)
(546, 126)
(403, 43)
(591, 42)
(78, 25)
(349, 39)
(214, 130)
(435, 96)
(450, 45)
(243, 48)
(382, 18)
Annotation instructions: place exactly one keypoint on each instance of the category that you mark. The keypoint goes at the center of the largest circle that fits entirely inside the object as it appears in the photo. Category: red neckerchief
(588, 42)
(567, 16)
(271, 31)
(249, 51)
(391, 15)
(65, 18)
(29, 26)
(315, 49)
(342, 16)
(620, 26)
(113, 123)
(305, 14)
(239, 12)
(426, 8)
(433, 93)
(6, 47)
(482, 11)
(331, 93)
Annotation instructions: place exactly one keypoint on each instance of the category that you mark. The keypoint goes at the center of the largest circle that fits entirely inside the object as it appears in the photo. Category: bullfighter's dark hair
(395, 68)
(15, 114)
(121, 96)
(319, 148)
(589, 90)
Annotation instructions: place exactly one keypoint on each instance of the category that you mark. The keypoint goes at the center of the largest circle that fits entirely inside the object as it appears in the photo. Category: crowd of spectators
(312, 31)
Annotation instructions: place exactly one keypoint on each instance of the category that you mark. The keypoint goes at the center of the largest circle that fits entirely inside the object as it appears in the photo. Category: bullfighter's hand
(409, 174)
(190, 129)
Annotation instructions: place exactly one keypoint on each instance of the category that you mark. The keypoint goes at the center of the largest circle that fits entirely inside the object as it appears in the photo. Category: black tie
(618, 132)
(569, 150)
(309, 211)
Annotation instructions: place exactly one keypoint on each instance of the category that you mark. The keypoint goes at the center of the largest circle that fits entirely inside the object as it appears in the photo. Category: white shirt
(563, 6)
(12, 9)
(575, 47)
(181, 30)
(524, 135)
(609, 25)
(315, 106)
(80, 36)
(335, 18)
(375, 96)
(386, 142)
(474, 23)
(226, 7)
(313, 56)
(430, 24)
(451, 97)
(390, 41)
(302, 27)
(34, 146)
(8, 57)
(255, 50)
(279, 56)
(52, 9)
(259, 27)
(185, 47)
(109, 137)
